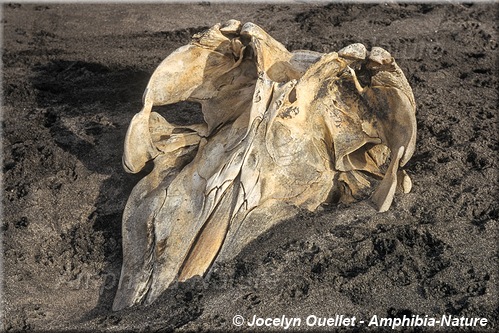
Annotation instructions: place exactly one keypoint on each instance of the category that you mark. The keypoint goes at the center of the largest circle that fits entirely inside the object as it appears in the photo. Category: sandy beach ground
(73, 77)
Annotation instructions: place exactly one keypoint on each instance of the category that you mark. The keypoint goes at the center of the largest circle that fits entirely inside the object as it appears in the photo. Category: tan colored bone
(283, 131)
(391, 100)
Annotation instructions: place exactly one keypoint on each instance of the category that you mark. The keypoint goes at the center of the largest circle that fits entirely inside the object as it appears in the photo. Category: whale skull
(283, 131)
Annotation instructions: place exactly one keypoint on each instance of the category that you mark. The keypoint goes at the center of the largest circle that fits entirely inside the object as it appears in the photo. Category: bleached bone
(283, 131)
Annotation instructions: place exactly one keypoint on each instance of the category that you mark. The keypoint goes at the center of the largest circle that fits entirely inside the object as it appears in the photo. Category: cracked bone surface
(283, 131)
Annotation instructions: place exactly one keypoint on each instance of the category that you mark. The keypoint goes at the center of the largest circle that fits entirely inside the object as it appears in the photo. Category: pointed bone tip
(404, 181)
(384, 194)
(382, 202)
(129, 166)
(383, 209)
(411, 147)
(407, 185)
(380, 56)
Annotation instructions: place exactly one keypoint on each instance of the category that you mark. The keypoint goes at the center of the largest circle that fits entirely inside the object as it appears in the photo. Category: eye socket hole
(182, 113)
(292, 96)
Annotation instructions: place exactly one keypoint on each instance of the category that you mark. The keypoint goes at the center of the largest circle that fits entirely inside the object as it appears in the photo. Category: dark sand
(73, 77)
